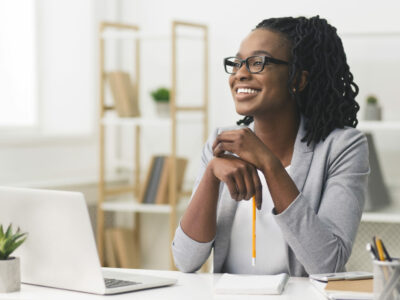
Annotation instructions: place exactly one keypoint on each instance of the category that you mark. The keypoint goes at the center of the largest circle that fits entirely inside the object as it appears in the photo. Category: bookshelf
(391, 212)
(126, 198)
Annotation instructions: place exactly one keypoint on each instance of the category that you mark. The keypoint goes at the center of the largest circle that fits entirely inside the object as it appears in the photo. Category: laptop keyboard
(114, 283)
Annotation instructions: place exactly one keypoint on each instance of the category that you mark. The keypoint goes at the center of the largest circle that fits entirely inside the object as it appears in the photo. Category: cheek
(230, 81)
(276, 84)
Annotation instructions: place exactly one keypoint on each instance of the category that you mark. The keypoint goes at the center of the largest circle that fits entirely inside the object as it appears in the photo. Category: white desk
(189, 286)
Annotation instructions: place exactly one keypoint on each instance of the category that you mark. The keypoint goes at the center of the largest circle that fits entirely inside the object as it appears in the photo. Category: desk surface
(189, 286)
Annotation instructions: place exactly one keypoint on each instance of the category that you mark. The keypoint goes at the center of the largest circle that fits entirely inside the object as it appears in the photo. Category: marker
(372, 251)
(386, 252)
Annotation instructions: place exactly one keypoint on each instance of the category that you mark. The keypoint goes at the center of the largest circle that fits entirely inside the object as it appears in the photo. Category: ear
(303, 80)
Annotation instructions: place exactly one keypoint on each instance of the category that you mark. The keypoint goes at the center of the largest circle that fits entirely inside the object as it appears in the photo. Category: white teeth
(246, 91)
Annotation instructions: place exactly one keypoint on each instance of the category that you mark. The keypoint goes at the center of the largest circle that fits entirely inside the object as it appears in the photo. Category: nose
(242, 73)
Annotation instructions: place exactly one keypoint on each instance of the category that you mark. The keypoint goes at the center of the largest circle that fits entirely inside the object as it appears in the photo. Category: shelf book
(156, 185)
(120, 248)
(124, 94)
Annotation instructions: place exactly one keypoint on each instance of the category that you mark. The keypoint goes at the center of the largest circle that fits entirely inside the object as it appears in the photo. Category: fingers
(225, 136)
(236, 185)
(244, 183)
(227, 139)
(240, 177)
(258, 189)
(232, 188)
(241, 185)
(221, 147)
(250, 188)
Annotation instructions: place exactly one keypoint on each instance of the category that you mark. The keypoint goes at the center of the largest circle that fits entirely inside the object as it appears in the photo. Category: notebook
(251, 284)
(60, 250)
(342, 276)
(361, 289)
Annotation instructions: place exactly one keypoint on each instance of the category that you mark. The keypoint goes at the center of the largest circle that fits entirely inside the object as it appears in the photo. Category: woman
(297, 152)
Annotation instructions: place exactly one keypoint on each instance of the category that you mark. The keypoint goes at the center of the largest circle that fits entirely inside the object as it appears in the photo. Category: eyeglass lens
(254, 64)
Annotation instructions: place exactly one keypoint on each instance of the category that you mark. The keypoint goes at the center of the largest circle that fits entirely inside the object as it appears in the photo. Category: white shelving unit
(391, 213)
(178, 114)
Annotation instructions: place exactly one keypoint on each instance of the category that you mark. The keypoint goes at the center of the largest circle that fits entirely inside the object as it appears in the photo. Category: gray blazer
(321, 223)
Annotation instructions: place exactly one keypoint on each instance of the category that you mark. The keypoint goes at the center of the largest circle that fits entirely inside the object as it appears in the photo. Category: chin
(243, 111)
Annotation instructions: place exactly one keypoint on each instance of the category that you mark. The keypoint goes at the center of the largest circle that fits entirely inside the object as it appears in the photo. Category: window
(18, 95)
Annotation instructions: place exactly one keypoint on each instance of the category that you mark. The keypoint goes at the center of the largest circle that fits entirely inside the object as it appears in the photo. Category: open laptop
(60, 251)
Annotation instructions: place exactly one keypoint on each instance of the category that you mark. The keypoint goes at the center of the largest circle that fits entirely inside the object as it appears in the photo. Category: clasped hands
(240, 172)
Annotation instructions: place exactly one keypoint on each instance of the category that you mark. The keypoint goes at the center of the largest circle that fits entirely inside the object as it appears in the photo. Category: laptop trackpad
(145, 281)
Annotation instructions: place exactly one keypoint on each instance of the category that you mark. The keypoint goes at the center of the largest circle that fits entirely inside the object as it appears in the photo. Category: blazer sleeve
(189, 255)
(322, 237)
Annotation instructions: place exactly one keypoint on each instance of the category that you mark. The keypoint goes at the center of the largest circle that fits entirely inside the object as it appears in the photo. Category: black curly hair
(328, 100)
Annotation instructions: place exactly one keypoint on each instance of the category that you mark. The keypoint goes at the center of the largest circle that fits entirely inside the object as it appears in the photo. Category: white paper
(342, 275)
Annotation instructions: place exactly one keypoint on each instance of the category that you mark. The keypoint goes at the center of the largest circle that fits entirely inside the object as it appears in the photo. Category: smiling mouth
(246, 91)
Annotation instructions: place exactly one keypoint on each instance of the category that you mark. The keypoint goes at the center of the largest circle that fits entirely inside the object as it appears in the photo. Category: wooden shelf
(378, 125)
(389, 214)
(153, 121)
(136, 121)
(131, 206)
(145, 36)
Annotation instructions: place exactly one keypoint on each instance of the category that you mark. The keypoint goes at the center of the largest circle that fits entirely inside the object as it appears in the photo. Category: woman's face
(264, 93)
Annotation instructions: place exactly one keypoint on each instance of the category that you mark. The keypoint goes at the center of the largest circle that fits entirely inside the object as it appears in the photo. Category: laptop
(60, 250)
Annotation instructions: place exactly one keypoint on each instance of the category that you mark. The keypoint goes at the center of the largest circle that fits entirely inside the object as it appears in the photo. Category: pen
(372, 250)
(253, 256)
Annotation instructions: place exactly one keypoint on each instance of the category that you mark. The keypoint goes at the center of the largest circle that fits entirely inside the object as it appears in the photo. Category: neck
(279, 134)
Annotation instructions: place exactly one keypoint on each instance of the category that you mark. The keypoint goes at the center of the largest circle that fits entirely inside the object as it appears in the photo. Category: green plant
(10, 241)
(161, 94)
(372, 99)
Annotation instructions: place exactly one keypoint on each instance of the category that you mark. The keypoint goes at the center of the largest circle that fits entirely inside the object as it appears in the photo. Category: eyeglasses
(254, 64)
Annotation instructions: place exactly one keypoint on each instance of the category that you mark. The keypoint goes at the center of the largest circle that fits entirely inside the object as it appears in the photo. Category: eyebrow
(257, 52)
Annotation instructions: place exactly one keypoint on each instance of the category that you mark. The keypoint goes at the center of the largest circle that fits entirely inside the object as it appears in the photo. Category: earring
(294, 90)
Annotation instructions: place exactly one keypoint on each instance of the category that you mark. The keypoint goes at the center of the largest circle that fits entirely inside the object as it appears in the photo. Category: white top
(271, 248)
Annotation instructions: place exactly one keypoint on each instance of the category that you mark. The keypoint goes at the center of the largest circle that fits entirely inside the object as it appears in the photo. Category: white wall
(63, 148)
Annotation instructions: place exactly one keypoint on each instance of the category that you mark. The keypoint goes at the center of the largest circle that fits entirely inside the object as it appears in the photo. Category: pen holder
(386, 280)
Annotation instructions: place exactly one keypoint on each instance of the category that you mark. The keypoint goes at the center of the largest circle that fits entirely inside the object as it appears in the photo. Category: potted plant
(161, 97)
(372, 109)
(10, 272)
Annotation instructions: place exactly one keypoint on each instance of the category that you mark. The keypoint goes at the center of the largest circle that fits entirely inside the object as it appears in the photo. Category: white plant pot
(373, 112)
(10, 275)
(163, 109)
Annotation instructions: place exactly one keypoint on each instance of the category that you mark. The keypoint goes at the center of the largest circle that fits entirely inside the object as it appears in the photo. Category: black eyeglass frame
(266, 61)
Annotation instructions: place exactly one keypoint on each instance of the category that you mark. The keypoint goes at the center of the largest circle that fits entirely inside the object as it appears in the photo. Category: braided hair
(328, 100)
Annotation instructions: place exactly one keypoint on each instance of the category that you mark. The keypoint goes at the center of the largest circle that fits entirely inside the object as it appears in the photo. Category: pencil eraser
(253, 261)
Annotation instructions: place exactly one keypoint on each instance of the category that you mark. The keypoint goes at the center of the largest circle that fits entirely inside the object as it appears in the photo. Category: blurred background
(53, 92)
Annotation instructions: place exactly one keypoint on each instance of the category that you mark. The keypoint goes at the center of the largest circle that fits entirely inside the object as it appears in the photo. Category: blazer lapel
(302, 157)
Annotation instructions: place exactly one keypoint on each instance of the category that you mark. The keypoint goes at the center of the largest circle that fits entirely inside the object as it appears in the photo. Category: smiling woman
(296, 152)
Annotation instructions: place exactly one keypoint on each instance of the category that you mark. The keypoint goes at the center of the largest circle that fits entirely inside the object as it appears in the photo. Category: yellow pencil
(380, 249)
(253, 260)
